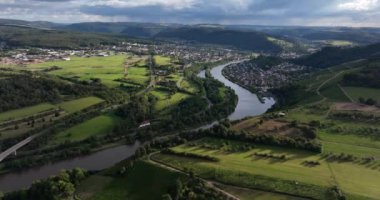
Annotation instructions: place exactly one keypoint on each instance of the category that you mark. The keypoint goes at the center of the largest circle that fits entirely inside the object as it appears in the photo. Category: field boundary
(167, 166)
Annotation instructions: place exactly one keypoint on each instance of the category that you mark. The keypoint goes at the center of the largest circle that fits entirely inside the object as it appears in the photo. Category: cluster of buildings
(21, 57)
(185, 51)
(249, 75)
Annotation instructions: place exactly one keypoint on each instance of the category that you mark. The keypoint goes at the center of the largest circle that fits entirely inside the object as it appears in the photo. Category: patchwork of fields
(276, 174)
(18, 122)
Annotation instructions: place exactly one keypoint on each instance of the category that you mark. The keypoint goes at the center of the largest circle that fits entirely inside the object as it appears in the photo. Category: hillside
(331, 56)
(362, 36)
(35, 24)
(254, 41)
(121, 28)
(24, 36)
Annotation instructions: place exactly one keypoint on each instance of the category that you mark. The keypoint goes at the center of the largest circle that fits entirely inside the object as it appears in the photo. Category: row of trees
(193, 188)
(60, 187)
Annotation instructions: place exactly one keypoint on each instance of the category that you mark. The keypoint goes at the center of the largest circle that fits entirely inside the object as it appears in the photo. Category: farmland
(79, 104)
(339, 43)
(96, 126)
(24, 112)
(166, 100)
(20, 121)
(108, 69)
(138, 75)
(162, 60)
(249, 194)
(258, 170)
(356, 92)
(130, 186)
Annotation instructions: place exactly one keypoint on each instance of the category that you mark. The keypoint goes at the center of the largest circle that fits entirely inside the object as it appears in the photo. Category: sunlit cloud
(359, 5)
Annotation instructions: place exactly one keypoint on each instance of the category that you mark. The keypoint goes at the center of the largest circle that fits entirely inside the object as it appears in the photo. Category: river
(96, 161)
(248, 105)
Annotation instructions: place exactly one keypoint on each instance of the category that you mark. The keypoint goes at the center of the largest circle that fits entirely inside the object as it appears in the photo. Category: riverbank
(260, 94)
(99, 160)
(248, 105)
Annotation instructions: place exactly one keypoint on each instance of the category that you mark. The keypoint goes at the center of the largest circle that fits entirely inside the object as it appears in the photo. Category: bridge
(15, 147)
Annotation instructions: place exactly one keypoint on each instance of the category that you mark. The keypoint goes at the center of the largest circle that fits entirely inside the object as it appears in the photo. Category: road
(152, 81)
(210, 184)
(17, 146)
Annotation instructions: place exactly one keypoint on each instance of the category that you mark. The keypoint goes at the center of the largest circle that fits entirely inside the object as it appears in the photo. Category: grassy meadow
(107, 69)
(162, 60)
(25, 112)
(274, 174)
(133, 185)
(138, 75)
(79, 104)
(166, 100)
(96, 126)
(250, 194)
(356, 92)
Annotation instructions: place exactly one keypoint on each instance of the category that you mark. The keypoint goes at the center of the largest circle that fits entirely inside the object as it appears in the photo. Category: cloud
(262, 12)
(358, 5)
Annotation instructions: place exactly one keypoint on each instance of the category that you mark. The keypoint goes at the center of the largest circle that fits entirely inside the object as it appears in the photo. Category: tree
(166, 197)
(370, 102)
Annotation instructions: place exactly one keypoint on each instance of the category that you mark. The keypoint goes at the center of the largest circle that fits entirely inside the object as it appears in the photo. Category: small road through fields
(210, 184)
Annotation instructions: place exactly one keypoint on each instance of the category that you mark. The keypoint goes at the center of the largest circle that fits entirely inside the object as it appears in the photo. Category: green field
(144, 182)
(166, 100)
(334, 93)
(189, 86)
(96, 126)
(257, 171)
(282, 43)
(138, 75)
(249, 194)
(162, 60)
(79, 104)
(105, 68)
(25, 112)
(339, 43)
(356, 92)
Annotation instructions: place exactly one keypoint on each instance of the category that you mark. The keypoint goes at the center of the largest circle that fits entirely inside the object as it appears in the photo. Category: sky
(356, 13)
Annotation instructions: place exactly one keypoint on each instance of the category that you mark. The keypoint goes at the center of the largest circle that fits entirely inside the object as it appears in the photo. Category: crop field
(133, 185)
(138, 75)
(356, 92)
(107, 69)
(233, 165)
(79, 104)
(342, 141)
(162, 60)
(339, 43)
(166, 100)
(25, 112)
(334, 93)
(249, 194)
(189, 86)
(96, 126)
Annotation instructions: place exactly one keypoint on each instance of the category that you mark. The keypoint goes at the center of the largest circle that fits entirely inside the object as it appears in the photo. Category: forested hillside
(243, 40)
(23, 36)
(331, 56)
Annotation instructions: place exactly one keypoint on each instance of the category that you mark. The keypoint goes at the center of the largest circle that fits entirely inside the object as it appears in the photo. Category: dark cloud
(272, 12)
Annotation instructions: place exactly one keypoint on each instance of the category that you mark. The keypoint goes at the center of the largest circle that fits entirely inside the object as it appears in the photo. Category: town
(262, 78)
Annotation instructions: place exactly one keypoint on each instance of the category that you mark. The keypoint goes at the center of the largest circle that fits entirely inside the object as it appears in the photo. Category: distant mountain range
(246, 37)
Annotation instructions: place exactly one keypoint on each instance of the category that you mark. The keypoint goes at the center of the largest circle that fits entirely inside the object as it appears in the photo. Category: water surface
(96, 161)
